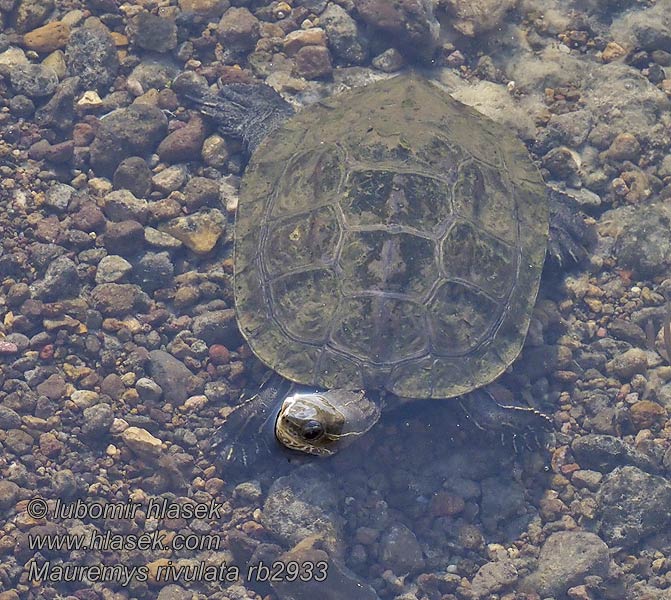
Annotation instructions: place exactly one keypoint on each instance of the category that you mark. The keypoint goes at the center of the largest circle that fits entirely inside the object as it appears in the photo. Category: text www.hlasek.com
(94, 540)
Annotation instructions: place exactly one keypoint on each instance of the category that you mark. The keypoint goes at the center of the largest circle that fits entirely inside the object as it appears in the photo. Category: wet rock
(409, 24)
(304, 504)
(13, 57)
(89, 218)
(47, 38)
(112, 269)
(400, 551)
(628, 363)
(199, 232)
(215, 151)
(122, 205)
(56, 61)
(9, 494)
(645, 414)
(142, 442)
(502, 500)
(568, 129)
(172, 592)
(200, 191)
(163, 241)
(472, 17)
(493, 577)
(340, 584)
(153, 74)
(344, 38)
(55, 153)
(18, 442)
(632, 504)
(313, 62)
(8, 348)
(125, 238)
(134, 175)
(148, 389)
(154, 271)
(34, 81)
(126, 132)
(644, 241)
(624, 147)
(648, 29)
(612, 51)
(61, 280)
(627, 331)
(9, 419)
(184, 144)
(605, 452)
(53, 387)
(217, 327)
(389, 61)
(58, 196)
(152, 32)
(206, 8)
(295, 40)
(91, 55)
(238, 30)
(566, 558)
(561, 163)
(171, 375)
(117, 299)
(21, 106)
(316, 6)
(170, 179)
(30, 14)
(97, 420)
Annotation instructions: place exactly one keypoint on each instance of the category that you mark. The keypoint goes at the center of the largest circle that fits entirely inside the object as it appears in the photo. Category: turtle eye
(312, 430)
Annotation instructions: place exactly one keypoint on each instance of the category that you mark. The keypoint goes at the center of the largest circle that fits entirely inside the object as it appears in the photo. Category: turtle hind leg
(488, 413)
(249, 111)
(571, 236)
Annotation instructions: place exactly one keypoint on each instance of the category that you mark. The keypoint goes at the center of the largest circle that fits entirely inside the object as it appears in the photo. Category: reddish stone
(47, 352)
(219, 355)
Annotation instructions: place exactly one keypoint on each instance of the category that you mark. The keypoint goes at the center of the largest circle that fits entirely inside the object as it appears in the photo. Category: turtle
(389, 245)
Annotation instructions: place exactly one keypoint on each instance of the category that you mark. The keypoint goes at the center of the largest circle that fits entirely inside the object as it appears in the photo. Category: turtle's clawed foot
(249, 111)
(519, 425)
(246, 438)
(572, 233)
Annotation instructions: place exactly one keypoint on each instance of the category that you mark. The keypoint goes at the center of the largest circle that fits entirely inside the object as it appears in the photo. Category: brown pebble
(8, 347)
(238, 29)
(295, 40)
(82, 134)
(47, 38)
(219, 354)
(624, 147)
(313, 62)
(645, 414)
(253, 529)
(444, 504)
(47, 352)
(50, 445)
(612, 52)
(183, 144)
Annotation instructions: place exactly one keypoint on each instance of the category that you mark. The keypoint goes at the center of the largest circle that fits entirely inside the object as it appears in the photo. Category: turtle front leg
(572, 233)
(246, 437)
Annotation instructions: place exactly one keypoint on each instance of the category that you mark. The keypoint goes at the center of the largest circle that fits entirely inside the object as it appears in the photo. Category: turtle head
(321, 423)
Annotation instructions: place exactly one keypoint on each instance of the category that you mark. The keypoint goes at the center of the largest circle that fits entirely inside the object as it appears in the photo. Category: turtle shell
(392, 238)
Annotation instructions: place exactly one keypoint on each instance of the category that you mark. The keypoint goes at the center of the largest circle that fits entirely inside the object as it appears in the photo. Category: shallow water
(121, 356)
